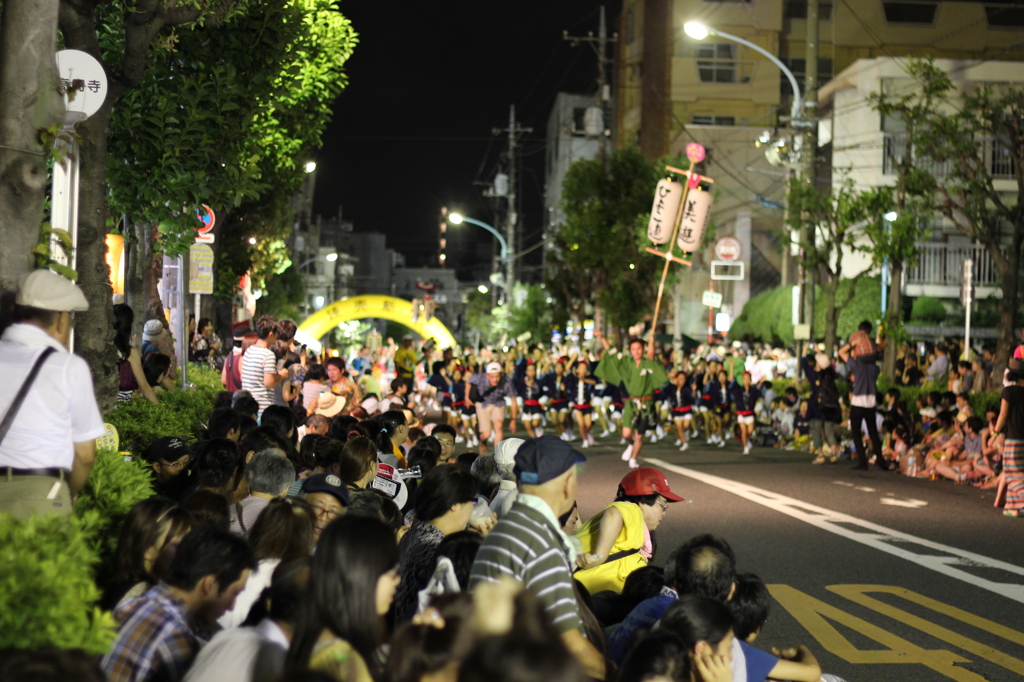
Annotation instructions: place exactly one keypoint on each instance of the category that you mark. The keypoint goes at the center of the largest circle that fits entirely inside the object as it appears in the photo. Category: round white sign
(728, 249)
(83, 81)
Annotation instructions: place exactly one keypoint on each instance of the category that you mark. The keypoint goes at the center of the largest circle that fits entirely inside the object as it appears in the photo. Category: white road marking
(910, 504)
(870, 534)
(864, 489)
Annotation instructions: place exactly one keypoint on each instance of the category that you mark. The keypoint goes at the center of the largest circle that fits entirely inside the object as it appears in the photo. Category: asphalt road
(882, 576)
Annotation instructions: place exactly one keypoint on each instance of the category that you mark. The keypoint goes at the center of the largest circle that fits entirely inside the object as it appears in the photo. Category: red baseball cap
(648, 481)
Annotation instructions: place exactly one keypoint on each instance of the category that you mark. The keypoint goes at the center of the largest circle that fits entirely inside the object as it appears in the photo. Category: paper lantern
(696, 214)
(664, 211)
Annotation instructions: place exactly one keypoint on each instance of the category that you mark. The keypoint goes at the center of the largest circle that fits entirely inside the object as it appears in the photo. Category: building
(439, 283)
(672, 90)
(862, 145)
(569, 139)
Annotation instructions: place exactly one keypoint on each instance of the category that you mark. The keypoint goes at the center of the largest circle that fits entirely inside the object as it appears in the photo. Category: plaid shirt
(154, 643)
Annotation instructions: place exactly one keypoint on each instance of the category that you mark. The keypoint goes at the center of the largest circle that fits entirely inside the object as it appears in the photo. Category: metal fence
(997, 158)
(943, 263)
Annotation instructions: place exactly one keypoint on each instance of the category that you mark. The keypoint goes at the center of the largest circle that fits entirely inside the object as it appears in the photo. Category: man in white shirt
(48, 451)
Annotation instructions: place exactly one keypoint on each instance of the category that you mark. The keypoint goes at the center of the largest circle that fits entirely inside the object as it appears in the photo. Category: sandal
(1011, 512)
(834, 459)
(820, 459)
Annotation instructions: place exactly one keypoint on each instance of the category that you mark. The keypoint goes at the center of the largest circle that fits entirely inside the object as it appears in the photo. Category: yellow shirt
(611, 575)
(337, 658)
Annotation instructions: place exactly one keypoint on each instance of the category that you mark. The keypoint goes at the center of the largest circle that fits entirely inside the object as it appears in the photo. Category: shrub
(180, 413)
(113, 488)
(47, 594)
(927, 309)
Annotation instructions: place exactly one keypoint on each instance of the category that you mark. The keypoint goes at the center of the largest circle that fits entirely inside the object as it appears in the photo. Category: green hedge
(180, 413)
(47, 592)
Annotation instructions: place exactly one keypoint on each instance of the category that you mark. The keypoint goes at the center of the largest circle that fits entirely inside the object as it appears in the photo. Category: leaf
(64, 270)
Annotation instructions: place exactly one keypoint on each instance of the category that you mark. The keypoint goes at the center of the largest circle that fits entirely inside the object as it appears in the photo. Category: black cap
(540, 460)
(168, 449)
(326, 483)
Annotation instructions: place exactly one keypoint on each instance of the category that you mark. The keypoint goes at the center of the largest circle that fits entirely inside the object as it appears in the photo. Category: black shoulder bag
(12, 411)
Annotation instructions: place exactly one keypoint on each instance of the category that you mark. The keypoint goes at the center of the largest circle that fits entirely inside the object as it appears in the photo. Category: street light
(330, 258)
(505, 257)
(310, 166)
(482, 289)
(699, 31)
(891, 216)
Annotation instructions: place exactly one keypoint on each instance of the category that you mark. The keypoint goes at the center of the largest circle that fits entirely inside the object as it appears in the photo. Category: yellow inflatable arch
(397, 310)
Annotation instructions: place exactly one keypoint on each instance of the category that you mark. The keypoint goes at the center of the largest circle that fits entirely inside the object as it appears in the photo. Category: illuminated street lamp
(330, 258)
(506, 259)
(699, 31)
(310, 166)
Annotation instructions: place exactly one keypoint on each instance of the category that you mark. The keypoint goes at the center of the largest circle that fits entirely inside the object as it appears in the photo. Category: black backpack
(828, 392)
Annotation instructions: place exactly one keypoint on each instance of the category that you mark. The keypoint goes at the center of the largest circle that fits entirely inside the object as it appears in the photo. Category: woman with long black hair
(131, 376)
(352, 583)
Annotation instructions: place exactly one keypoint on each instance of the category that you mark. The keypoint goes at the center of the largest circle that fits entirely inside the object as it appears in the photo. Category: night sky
(427, 83)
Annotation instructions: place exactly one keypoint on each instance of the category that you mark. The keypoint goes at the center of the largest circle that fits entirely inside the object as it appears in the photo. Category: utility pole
(512, 216)
(809, 149)
(604, 67)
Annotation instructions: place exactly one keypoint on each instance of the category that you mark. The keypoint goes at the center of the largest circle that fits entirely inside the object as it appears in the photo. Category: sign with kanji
(696, 214)
(664, 211)
(200, 269)
(83, 81)
(711, 299)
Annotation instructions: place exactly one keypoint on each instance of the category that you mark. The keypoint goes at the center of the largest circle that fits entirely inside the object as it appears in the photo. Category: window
(630, 27)
(799, 68)
(579, 117)
(1005, 17)
(909, 12)
(797, 9)
(716, 62)
(713, 120)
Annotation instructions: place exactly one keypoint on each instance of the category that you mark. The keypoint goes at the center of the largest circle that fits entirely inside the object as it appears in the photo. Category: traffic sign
(83, 82)
(207, 219)
(728, 249)
(711, 299)
(200, 269)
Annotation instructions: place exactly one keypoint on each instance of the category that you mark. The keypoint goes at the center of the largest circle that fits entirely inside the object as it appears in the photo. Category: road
(883, 577)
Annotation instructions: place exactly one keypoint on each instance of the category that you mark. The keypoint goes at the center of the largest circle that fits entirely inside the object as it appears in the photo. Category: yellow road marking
(856, 593)
(811, 614)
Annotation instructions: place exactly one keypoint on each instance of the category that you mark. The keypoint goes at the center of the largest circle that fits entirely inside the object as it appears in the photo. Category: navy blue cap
(326, 483)
(540, 460)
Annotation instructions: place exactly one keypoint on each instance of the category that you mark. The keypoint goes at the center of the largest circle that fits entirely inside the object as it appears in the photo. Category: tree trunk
(94, 327)
(1009, 281)
(29, 104)
(831, 317)
(892, 317)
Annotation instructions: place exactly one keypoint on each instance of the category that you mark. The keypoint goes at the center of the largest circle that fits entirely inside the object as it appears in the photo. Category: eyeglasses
(663, 505)
(329, 514)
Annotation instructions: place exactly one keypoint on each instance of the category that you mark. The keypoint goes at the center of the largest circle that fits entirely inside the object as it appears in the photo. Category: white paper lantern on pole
(664, 211)
(696, 214)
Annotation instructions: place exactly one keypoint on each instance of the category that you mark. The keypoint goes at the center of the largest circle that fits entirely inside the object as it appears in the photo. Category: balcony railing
(942, 264)
(997, 157)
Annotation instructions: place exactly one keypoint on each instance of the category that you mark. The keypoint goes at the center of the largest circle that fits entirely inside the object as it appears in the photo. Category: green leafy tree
(962, 132)
(838, 215)
(599, 259)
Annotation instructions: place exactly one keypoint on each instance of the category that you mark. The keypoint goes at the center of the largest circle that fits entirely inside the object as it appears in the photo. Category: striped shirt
(257, 362)
(526, 546)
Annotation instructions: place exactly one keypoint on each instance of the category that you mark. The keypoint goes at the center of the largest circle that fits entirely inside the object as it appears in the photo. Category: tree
(30, 105)
(838, 215)
(963, 133)
(896, 241)
(599, 259)
(218, 120)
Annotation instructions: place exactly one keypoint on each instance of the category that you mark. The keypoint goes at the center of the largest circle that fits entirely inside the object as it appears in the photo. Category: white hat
(47, 290)
(330, 405)
(493, 367)
(152, 330)
(505, 451)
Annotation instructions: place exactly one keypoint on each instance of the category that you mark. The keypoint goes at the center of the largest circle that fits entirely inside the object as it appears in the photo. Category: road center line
(870, 534)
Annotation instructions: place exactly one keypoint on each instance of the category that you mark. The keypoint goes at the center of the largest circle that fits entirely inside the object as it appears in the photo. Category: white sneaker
(590, 438)
(721, 443)
(660, 432)
(684, 447)
(633, 464)
(459, 439)
(746, 450)
(585, 444)
(627, 455)
(606, 433)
